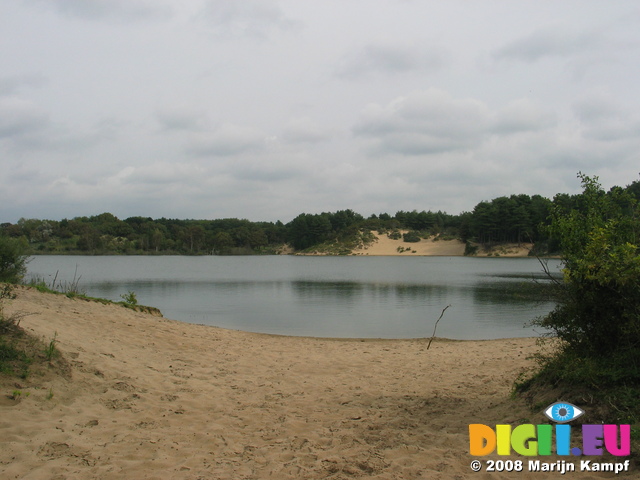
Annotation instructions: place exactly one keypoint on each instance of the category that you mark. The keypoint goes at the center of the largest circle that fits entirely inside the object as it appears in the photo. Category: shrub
(130, 298)
(411, 237)
(470, 249)
(598, 314)
(597, 317)
(13, 260)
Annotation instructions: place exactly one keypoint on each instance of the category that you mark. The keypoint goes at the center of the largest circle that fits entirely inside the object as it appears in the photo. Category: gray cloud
(554, 41)
(425, 122)
(433, 122)
(166, 108)
(595, 107)
(389, 59)
(14, 84)
(523, 116)
(602, 119)
(623, 128)
(305, 130)
(226, 140)
(26, 127)
(109, 9)
(20, 118)
(247, 18)
(162, 174)
(182, 118)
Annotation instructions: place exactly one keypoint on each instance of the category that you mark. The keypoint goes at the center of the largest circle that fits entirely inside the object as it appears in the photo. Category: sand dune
(152, 398)
(383, 245)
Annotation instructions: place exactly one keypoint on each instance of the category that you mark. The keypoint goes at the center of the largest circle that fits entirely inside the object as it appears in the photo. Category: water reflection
(332, 297)
(330, 291)
(510, 293)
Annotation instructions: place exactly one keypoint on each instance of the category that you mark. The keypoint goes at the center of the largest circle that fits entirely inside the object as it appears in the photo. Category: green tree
(307, 229)
(598, 312)
(222, 241)
(13, 260)
(343, 219)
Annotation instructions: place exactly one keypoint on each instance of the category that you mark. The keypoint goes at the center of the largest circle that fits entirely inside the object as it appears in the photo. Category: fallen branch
(436, 326)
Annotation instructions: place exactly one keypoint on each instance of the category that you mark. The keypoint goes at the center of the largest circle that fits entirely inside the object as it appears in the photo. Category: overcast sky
(265, 109)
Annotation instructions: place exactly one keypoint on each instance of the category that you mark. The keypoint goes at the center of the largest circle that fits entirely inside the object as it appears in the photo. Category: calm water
(372, 297)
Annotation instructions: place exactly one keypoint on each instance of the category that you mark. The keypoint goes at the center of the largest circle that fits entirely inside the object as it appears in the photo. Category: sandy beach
(146, 397)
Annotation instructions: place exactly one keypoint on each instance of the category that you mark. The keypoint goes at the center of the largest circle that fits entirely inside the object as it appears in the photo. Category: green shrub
(50, 350)
(411, 237)
(13, 361)
(13, 260)
(597, 317)
(129, 298)
(470, 249)
(598, 314)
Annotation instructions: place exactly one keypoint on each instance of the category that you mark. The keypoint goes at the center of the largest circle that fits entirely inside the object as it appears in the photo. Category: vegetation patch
(345, 244)
(596, 323)
(411, 237)
(73, 290)
(25, 360)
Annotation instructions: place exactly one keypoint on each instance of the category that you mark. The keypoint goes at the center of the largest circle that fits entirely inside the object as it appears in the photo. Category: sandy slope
(383, 245)
(151, 398)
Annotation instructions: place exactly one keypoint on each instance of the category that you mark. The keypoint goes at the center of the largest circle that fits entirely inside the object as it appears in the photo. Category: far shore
(433, 246)
(381, 246)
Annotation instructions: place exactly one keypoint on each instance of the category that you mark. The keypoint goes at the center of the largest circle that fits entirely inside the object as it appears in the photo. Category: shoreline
(149, 397)
(382, 245)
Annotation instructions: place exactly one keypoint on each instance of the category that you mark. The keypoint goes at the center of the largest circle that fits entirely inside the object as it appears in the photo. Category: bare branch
(436, 326)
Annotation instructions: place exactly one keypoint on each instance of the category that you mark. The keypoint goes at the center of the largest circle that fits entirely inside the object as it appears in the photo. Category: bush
(598, 314)
(129, 298)
(470, 249)
(13, 260)
(597, 317)
(411, 237)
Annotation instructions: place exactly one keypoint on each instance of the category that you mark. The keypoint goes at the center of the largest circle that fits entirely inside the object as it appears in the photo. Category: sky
(264, 109)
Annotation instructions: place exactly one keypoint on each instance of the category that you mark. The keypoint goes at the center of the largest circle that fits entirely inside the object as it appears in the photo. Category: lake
(347, 297)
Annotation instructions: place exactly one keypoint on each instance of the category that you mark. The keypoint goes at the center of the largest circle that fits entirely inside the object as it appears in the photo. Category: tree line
(512, 219)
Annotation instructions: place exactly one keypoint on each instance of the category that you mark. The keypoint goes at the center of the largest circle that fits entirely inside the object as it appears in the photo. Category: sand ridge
(436, 246)
(152, 398)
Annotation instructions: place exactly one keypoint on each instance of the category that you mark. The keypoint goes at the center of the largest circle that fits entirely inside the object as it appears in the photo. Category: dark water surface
(362, 297)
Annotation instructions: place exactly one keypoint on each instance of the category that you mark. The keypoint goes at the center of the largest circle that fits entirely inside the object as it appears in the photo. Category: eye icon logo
(563, 412)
